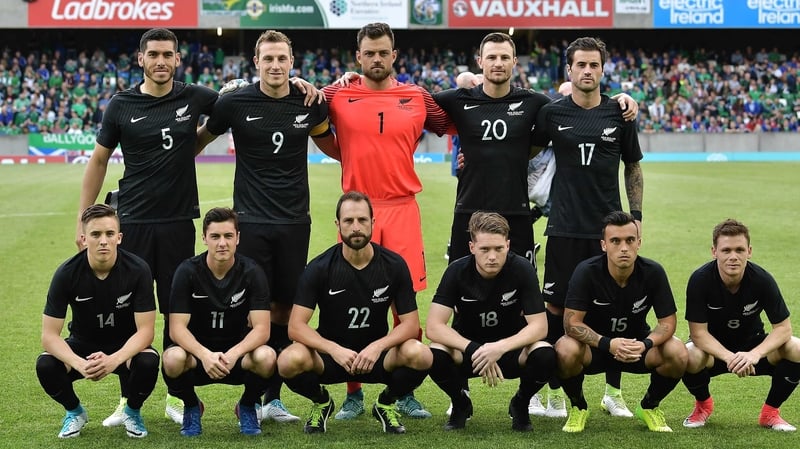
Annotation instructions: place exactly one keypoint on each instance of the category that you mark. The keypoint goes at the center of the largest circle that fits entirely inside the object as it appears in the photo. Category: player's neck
(496, 90)
(219, 268)
(732, 283)
(586, 100)
(376, 85)
(154, 89)
(274, 92)
(358, 258)
(102, 269)
(620, 275)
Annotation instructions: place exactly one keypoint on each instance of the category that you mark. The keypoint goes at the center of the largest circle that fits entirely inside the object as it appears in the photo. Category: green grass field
(682, 204)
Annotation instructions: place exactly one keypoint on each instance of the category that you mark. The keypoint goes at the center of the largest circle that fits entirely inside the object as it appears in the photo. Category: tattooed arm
(664, 330)
(577, 329)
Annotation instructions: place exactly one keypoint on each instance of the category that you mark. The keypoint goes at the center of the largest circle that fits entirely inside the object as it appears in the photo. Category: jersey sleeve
(144, 300)
(775, 308)
(181, 290)
(531, 294)
(58, 294)
(447, 292)
(658, 286)
(436, 120)
(219, 121)
(307, 286)
(696, 310)
(110, 133)
(405, 299)
(631, 151)
(540, 136)
(579, 290)
(257, 282)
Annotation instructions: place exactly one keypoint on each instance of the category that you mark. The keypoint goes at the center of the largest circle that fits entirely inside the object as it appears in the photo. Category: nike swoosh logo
(77, 299)
(714, 308)
(335, 292)
(467, 107)
(195, 295)
(134, 120)
(353, 100)
(597, 301)
(468, 299)
(793, 382)
(250, 119)
(562, 128)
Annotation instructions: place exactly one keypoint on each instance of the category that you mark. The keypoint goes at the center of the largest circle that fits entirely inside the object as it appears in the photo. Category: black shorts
(281, 251)
(521, 236)
(603, 362)
(333, 373)
(763, 367)
(561, 257)
(555, 327)
(508, 363)
(83, 349)
(163, 246)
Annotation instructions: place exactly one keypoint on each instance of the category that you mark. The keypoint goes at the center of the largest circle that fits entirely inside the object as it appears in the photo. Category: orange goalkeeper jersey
(378, 132)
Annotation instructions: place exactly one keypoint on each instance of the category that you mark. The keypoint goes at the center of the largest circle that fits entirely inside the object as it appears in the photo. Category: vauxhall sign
(531, 13)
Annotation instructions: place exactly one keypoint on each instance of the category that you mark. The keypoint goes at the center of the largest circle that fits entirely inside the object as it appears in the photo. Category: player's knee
(262, 361)
(47, 364)
(416, 355)
(568, 355)
(174, 361)
(791, 350)
(696, 358)
(675, 357)
(145, 362)
(293, 361)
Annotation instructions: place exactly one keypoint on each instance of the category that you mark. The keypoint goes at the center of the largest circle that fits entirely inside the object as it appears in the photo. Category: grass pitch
(682, 203)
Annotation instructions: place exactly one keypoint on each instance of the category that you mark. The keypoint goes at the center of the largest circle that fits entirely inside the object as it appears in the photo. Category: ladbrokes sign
(113, 14)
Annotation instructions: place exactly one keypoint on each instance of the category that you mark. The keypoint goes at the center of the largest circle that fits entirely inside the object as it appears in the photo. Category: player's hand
(492, 375)
(346, 78)
(230, 359)
(100, 365)
(460, 161)
(232, 86)
(313, 95)
(488, 354)
(365, 360)
(626, 350)
(629, 106)
(344, 357)
(743, 364)
(215, 365)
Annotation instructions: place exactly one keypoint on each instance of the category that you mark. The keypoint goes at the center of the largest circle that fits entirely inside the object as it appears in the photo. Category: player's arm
(179, 332)
(634, 189)
(100, 365)
(54, 345)
(324, 138)
(629, 106)
(575, 327)
(663, 331)
(778, 336)
(436, 119)
(204, 137)
(438, 330)
(93, 178)
(489, 353)
(301, 332)
(258, 335)
(702, 338)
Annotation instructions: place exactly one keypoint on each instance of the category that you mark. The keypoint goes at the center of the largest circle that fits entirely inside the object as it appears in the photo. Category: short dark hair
(374, 30)
(272, 36)
(487, 223)
(220, 215)
(353, 196)
(730, 228)
(498, 38)
(96, 211)
(618, 218)
(587, 44)
(157, 34)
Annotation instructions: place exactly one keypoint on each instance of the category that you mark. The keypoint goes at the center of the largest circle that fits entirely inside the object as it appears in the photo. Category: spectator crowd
(679, 91)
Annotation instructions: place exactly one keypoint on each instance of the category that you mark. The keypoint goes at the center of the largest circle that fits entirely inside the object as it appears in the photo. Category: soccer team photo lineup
(198, 304)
